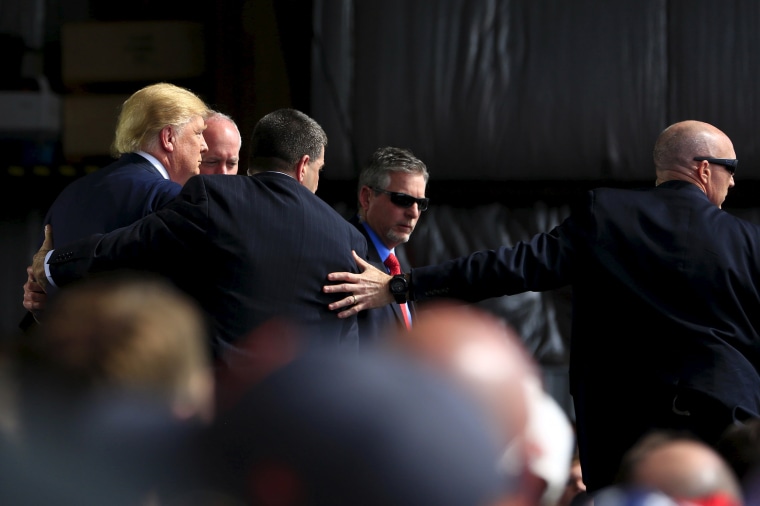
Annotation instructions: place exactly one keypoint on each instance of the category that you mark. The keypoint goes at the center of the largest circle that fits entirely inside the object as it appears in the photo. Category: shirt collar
(154, 161)
(381, 248)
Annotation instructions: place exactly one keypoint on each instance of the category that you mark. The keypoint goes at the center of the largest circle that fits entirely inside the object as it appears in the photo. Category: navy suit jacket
(666, 297)
(112, 197)
(247, 248)
(655, 271)
(375, 323)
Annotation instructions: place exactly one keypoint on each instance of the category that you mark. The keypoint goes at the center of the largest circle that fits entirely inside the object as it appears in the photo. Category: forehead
(197, 122)
(222, 140)
(406, 179)
(192, 127)
(221, 128)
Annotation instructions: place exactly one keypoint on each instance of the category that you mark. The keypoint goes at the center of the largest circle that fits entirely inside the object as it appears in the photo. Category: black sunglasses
(404, 200)
(729, 163)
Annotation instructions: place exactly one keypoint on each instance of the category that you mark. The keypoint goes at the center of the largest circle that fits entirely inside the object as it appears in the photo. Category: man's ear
(703, 172)
(301, 168)
(364, 194)
(166, 138)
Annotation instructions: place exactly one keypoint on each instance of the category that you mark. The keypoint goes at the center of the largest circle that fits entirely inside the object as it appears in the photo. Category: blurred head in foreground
(330, 429)
(129, 331)
(682, 467)
(113, 389)
(486, 357)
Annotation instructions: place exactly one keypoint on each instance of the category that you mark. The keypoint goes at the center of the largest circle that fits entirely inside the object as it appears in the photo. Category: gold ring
(354, 296)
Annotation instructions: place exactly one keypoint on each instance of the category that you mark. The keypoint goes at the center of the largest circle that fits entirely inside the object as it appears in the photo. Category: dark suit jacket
(112, 197)
(375, 323)
(247, 248)
(666, 294)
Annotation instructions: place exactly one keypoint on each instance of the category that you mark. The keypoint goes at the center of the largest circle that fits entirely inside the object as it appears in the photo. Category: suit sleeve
(157, 242)
(162, 193)
(546, 261)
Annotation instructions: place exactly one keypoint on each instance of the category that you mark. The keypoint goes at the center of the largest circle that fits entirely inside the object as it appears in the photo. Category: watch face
(398, 285)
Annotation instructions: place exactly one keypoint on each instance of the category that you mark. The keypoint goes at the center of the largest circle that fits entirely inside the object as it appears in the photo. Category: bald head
(680, 467)
(481, 353)
(678, 144)
(487, 358)
(224, 141)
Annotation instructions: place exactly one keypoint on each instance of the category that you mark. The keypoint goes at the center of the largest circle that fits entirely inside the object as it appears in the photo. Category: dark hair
(281, 138)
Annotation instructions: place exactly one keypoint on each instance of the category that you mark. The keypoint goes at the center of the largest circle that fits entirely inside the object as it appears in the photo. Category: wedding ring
(354, 296)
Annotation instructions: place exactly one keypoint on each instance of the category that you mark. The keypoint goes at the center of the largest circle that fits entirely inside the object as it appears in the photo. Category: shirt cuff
(51, 283)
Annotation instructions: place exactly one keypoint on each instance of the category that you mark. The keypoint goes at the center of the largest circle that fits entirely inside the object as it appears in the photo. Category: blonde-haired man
(158, 144)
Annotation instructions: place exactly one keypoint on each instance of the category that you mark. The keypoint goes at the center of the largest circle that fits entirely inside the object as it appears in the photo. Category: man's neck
(382, 249)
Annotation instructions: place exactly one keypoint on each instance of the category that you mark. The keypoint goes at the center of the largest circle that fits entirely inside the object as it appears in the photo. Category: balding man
(681, 467)
(224, 141)
(666, 299)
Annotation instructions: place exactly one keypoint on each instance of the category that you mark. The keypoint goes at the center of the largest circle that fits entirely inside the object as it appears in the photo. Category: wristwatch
(399, 287)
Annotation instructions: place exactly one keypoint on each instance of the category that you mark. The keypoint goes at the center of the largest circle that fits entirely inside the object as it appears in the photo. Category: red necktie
(393, 266)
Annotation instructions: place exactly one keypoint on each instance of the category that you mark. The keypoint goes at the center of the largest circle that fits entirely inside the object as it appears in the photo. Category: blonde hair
(150, 109)
(132, 332)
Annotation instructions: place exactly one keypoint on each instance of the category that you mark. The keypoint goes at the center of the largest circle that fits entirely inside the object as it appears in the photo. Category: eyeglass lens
(406, 201)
